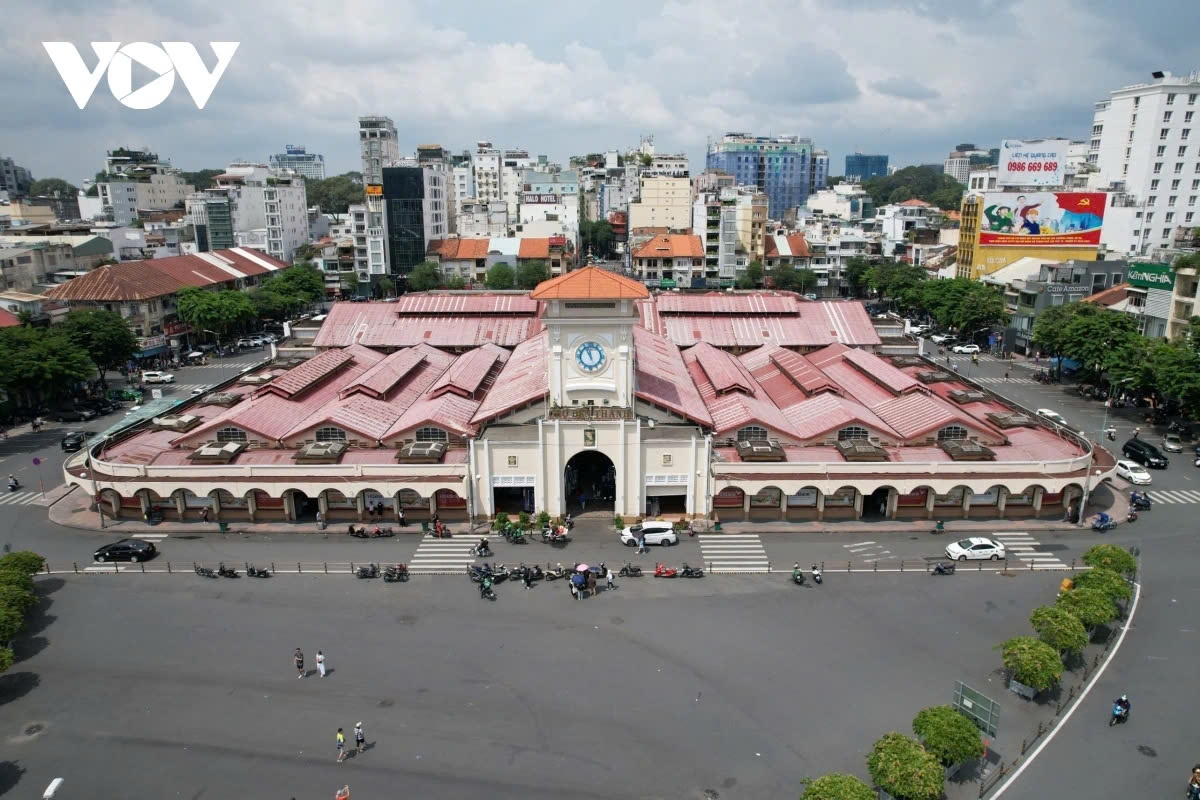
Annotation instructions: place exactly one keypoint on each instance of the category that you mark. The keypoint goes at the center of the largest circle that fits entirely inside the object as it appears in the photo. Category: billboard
(375, 190)
(1151, 276)
(1042, 219)
(1033, 163)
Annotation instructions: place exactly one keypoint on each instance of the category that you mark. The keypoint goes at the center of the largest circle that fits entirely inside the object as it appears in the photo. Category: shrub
(17, 597)
(1109, 556)
(23, 560)
(619, 521)
(543, 519)
(836, 786)
(948, 734)
(1091, 606)
(12, 620)
(524, 519)
(17, 578)
(1059, 628)
(1033, 662)
(6, 658)
(903, 768)
(1108, 581)
(500, 521)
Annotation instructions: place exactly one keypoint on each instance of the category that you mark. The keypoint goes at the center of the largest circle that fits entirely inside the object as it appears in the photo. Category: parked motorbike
(381, 533)
(630, 571)
(499, 574)
(369, 571)
(663, 571)
(226, 572)
(690, 572)
(816, 574)
(254, 572)
(554, 537)
(1132, 515)
(396, 572)
(797, 575)
(555, 572)
(485, 589)
(942, 568)
(478, 572)
(205, 572)
(358, 532)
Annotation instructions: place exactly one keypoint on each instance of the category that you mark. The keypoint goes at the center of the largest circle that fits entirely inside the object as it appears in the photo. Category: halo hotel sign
(117, 60)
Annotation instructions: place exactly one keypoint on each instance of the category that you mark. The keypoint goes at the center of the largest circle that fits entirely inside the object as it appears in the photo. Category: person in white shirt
(609, 577)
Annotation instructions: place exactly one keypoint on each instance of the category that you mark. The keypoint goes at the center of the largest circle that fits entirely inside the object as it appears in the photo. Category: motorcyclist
(1122, 703)
(485, 585)
(482, 547)
(797, 573)
(12, 481)
(940, 568)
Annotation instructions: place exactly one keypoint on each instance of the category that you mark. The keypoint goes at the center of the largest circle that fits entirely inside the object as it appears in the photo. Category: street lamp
(1107, 402)
(91, 472)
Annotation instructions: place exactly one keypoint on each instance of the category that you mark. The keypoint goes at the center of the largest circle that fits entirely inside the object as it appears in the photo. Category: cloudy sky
(910, 79)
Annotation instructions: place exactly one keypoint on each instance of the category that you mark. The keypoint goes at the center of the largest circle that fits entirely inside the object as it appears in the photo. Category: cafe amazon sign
(1151, 276)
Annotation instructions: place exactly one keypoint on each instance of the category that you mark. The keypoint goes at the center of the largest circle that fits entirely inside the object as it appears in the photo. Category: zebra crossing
(439, 556)
(227, 364)
(1026, 381)
(868, 551)
(187, 388)
(1023, 547)
(112, 566)
(19, 498)
(733, 552)
(1174, 496)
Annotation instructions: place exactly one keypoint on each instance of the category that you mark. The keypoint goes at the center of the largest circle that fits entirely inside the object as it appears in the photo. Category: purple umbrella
(582, 568)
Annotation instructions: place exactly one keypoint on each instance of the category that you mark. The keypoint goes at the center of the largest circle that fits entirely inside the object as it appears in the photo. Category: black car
(73, 414)
(126, 550)
(1144, 453)
(101, 406)
(74, 440)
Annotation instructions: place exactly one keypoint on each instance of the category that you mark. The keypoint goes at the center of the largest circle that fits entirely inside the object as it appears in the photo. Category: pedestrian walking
(1005, 374)
(320, 663)
(1137, 432)
(320, 520)
(528, 578)
(37, 425)
(298, 657)
(341, 746)
(609, 577)
(360, 738)
(204, 514)
(591, 584)
(641, 543)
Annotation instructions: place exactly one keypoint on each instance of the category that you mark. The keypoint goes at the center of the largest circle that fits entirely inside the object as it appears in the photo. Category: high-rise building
(485, 172)
(255, 206)
(780, 166)
(861, 167)
(378, 146)
(14, 179)
(966, 157)
(1145, 145)
(310, 166)
(819, 172)
(416, 199)
(663, 202)
(139, 182)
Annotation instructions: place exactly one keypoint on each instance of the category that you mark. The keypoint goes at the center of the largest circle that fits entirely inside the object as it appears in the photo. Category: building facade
(141, 186)
(24, 266)
(845, 201)
(780, 166)
(582, 398)
(861, 167)
(15, 180)
(378, 145)
(663, 202)
(1145, 148)
(819, 171)
(295, 157)
(416, 199)
(255, 205)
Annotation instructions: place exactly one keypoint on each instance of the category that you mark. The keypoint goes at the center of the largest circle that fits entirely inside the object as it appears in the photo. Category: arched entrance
(590, 482)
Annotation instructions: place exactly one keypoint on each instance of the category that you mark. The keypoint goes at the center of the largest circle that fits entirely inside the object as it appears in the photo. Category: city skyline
(574, 84)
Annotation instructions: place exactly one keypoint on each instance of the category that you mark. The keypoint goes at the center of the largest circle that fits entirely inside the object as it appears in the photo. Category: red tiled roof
(534, 248)
(734, 409)
(662, 377)
(464, 303)
(722, 369)
(468, 371)
(309, 374)
(451, 331)
(8, 319)
(1110, 296)
(671, 245)
(718, 303)
(828, 412)
(468, 249)
(590, 283)
(157, 277)
(523, 380)
(792, 244)
(914, 202)
(383, 377)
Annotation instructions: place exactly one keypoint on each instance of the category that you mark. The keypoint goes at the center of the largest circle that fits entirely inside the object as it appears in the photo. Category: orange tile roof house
(671, 256)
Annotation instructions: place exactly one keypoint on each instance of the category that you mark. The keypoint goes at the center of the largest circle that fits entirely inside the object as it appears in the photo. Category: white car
(157, 377)
(199, 391)
(942, 338)
(656, 532)
(966, 348)
(974, 549)
(1052, 415)
(1133, 472)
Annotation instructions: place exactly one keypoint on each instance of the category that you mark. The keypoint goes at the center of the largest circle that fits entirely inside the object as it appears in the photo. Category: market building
(590, 395)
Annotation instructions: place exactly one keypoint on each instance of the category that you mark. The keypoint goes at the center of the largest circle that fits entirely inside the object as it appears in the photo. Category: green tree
(202, 178)
(1106, 581)
(947, 734)
(221, 312)
(6, 658)
(1032, 662)
(1091, 606)
(104, 336)
(500, 276)
(348, 285)
(306, 252)
(531, 273)
(903, 768)
(784, 277)
(425, 276)
(837, 786)
(1094, 336)
(1050, 330)
(596, 238)
(387, 287)
(1109, 556)
(455, 282)
(1176, 372)
(855, 275)
(40, 363)
(270, 304)
(336, 194)
(923, 183)
(1059, 628)
(755, 272)
(304, 282)
(48, 186)
(806, 280)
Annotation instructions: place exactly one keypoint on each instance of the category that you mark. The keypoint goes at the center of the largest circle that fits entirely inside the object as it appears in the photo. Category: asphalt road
(172, 686)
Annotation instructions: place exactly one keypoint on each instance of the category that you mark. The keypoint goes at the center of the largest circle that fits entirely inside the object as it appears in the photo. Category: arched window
(852, 433)
(952, 433)
(231, 435)
(331, 434)
(431, 434)
(752, 433)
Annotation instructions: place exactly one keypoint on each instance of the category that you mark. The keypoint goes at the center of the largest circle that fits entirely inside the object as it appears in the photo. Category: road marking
(857, 544)
(19, 498)
(1137, 595)
(744, 553)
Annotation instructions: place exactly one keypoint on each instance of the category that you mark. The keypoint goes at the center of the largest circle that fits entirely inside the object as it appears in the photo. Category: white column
(966, 503)
(556, 470)
(486, 480)
(622, 477)
(690, 506)
(541, 501)
(251, 506)
(1002, 500)
(639, 470)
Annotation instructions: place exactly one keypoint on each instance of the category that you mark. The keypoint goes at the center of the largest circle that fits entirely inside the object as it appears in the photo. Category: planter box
(1028, 692)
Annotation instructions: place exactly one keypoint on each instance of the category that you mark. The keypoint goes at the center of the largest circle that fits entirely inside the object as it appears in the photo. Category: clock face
(590, 356)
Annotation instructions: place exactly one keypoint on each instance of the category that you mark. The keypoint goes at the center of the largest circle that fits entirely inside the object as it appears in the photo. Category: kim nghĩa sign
(1151, 276)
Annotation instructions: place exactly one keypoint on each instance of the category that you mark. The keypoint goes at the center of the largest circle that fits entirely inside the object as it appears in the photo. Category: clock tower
(589, 316)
